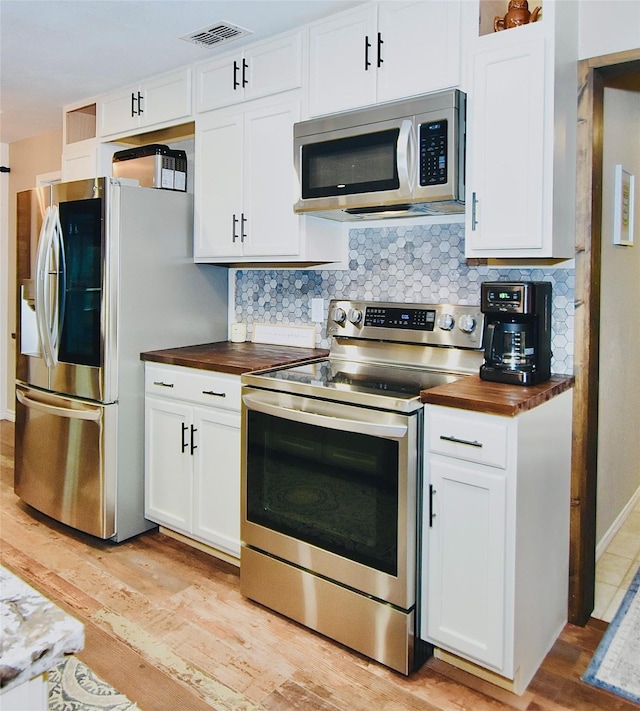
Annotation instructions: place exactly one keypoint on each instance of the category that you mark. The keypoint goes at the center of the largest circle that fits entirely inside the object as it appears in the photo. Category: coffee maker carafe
(517, 332)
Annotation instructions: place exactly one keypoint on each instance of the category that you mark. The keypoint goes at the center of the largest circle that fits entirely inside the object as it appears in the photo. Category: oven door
(331, 488)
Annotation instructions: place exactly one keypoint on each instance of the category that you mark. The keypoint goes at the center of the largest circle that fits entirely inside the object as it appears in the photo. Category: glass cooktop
(360, 383)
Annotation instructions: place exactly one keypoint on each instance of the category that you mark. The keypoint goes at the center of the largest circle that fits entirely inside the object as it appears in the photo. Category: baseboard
(200, 546)
(8, 415)
(512, 685)
(617, 524)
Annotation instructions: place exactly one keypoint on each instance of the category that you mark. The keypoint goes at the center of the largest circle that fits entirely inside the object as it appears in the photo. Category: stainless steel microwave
(404, 158)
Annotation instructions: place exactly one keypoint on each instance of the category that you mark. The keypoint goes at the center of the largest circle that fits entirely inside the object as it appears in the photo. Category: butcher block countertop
(471, 393)
(234, 358)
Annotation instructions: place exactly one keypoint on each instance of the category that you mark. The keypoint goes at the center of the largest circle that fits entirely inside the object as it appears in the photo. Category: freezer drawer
(65, 459)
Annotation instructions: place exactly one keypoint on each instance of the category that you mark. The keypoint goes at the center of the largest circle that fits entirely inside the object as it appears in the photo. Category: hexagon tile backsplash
(415, 264)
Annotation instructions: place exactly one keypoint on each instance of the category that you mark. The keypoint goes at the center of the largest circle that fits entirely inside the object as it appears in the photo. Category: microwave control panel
(433, 153)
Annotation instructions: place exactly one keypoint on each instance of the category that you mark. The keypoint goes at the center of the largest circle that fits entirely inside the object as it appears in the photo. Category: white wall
(4, 280)
(607, 26)
(619, 384)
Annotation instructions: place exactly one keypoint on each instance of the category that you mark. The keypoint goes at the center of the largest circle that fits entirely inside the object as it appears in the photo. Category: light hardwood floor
(167, 626)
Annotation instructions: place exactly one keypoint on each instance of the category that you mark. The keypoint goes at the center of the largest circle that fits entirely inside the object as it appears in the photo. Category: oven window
(333, 489)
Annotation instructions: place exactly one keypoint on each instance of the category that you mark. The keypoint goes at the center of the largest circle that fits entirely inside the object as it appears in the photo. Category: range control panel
(428, 324)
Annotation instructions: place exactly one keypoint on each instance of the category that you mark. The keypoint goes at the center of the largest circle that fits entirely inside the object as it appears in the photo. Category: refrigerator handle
(58, 294)
(50, 285)
(42, 285)
(91, 413)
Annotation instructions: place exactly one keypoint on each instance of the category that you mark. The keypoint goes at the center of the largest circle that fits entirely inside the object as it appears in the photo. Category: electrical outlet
(317, 310)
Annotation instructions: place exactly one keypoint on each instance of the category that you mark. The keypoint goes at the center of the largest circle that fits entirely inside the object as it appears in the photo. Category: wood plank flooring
(167, 626)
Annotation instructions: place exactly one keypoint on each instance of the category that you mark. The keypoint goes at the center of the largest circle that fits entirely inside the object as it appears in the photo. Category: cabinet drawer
(474, 438)
(199, 386)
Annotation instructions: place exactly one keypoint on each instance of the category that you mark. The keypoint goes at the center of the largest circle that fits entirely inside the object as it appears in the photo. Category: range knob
(338, 315)
(466, 323)
(355, 316)
(446, 322)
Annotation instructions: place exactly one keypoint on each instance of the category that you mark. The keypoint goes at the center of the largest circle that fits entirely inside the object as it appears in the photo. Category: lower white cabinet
(495, 537)
(192, 454)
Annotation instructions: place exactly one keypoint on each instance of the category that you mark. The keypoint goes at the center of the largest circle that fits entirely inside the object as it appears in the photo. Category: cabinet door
(464, 589)
(218, 186)
(271, 227)
(421, 47)
(166, 98)
(343, 62)
(219, 83)
(505, 152)
(217, 479)
(273, 67)
(168, 464)
(119, 111)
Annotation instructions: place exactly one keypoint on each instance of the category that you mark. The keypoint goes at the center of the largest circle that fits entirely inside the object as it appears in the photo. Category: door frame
(592, 79)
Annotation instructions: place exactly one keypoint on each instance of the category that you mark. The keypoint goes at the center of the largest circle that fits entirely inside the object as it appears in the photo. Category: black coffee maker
(517, 332)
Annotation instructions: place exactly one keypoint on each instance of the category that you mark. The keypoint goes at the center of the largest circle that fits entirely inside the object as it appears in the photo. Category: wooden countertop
(234, 358)
(471, 393)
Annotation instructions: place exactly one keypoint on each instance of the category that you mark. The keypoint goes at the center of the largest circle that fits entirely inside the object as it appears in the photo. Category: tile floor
(616, 567)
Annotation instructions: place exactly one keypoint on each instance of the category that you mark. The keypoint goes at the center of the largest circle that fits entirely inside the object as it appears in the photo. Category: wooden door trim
(592, 77)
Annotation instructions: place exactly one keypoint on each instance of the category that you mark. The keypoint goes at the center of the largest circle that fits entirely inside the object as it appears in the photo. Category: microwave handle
(405, 152)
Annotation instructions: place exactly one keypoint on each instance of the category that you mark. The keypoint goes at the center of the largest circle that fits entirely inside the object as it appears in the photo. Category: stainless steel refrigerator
(104, 272)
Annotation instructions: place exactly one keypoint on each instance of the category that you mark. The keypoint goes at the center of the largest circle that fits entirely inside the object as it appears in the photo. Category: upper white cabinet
(244, 189)
(381, 52)
(261, 69)
(521, 122)
(154, 103)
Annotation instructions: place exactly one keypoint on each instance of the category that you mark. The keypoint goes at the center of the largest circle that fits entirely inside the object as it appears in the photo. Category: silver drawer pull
(475, 443)
(215, 394)
(162, 385)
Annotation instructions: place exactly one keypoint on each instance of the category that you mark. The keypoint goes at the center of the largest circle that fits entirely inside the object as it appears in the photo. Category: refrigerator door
(76, 319)
(67, 468)
(34, 210)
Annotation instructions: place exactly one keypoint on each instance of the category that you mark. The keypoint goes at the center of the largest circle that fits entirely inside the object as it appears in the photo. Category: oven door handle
(333, 423)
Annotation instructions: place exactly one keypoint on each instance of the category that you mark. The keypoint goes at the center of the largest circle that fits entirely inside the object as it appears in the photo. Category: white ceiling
(56, 52)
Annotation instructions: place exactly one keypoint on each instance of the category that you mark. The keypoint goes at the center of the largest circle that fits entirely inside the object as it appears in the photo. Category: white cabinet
(495, 536)
(245, 186)
(381, 52)
(89, 159)
(157, 102)
(262, 69)
(192, 454)
(521, 119)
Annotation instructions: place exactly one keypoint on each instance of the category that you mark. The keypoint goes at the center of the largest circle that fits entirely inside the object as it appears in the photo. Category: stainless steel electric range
(331, 471)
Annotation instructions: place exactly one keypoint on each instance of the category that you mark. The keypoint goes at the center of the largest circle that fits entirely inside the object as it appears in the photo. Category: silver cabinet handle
(162, 384)
(455, 440)
(474, 203)
(214, 393)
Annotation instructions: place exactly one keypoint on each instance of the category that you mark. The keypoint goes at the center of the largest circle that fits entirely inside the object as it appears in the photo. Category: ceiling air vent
(215, 34)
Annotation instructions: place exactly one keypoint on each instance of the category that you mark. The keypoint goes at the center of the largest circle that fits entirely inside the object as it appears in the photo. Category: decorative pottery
(517, 14)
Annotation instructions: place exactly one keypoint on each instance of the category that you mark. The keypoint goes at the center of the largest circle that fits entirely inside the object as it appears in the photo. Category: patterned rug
(74, 687)
(616, 664)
